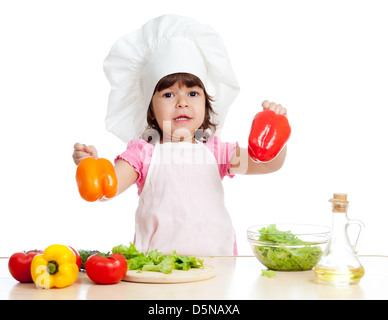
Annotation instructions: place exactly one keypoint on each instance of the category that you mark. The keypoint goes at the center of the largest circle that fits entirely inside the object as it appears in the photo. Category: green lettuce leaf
(155, 260)
(128, 252)
(268, 273)
(165, 266)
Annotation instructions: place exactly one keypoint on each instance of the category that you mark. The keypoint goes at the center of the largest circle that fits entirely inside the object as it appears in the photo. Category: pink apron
(181, 206)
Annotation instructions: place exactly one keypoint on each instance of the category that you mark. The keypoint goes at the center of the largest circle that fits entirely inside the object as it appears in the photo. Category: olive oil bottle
(339, 264)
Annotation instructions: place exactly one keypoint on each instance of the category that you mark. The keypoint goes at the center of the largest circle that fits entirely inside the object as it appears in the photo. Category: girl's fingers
(80, 154)
(277, 108)
(82, 151)
(272, 106)
(265, 104)
(91, 150)
(79, 146)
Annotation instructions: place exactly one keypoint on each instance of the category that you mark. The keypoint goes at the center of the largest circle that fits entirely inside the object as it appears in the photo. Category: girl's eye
(193, 94)
(168, 95)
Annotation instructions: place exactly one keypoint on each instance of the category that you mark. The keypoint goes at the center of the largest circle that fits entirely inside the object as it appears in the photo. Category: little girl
(176, 160)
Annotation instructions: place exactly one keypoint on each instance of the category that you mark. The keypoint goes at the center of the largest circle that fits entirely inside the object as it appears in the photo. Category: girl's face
(179, 111)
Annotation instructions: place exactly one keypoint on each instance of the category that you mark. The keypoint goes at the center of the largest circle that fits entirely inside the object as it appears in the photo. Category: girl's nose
(182, 102)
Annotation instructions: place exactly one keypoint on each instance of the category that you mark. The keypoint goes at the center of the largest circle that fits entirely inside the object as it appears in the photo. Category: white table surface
(236, 278)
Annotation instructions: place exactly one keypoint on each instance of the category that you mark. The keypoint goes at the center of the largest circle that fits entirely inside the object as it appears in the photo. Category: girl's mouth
(182, 119)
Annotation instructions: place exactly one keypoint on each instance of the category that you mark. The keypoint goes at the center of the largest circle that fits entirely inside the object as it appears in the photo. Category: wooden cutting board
(176, 276)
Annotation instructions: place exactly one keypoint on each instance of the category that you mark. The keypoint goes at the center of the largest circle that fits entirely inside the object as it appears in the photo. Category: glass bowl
(288, 247)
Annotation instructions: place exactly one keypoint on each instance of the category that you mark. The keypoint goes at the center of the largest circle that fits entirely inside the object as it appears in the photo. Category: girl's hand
(82, 151)
(277, 108)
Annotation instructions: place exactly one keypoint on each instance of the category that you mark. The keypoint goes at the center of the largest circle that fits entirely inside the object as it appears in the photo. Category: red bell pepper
(78, 258)
(269, 134)
(19, 265)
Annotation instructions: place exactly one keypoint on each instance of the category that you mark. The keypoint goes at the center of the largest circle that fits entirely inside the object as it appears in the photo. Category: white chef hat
(165, 45)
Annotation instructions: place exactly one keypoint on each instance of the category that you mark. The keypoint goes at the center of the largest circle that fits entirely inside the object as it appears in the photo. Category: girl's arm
(241, 163)
(126, 175)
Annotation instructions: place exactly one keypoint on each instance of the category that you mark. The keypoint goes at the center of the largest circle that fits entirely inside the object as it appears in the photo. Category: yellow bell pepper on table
(56, 267)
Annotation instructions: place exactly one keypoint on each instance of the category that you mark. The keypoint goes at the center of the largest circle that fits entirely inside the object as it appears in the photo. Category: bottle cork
(340, 202)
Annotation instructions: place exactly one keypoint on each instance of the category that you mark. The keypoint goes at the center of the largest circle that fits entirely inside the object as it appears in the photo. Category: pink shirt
(139, 154)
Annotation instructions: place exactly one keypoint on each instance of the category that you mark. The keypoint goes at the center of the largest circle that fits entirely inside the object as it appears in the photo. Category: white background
(325, 61)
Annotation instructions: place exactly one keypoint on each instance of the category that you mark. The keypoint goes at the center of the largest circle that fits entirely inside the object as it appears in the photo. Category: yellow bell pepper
(56, 267)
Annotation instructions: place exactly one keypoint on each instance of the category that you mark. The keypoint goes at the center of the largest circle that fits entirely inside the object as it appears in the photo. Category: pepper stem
(52, 267)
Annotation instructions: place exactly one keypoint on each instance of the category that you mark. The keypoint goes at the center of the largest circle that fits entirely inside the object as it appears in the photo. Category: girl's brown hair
(189, 80)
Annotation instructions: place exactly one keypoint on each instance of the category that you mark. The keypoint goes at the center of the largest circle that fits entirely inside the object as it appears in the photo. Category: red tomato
(78, 262)
(19, 265)
(106, 269)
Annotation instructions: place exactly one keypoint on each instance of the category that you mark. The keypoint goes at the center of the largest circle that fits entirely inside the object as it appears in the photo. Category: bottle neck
(339, 228)
(340, 218)
(340, 214)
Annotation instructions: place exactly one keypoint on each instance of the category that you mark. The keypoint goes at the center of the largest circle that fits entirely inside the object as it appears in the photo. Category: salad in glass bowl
(288, 247)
